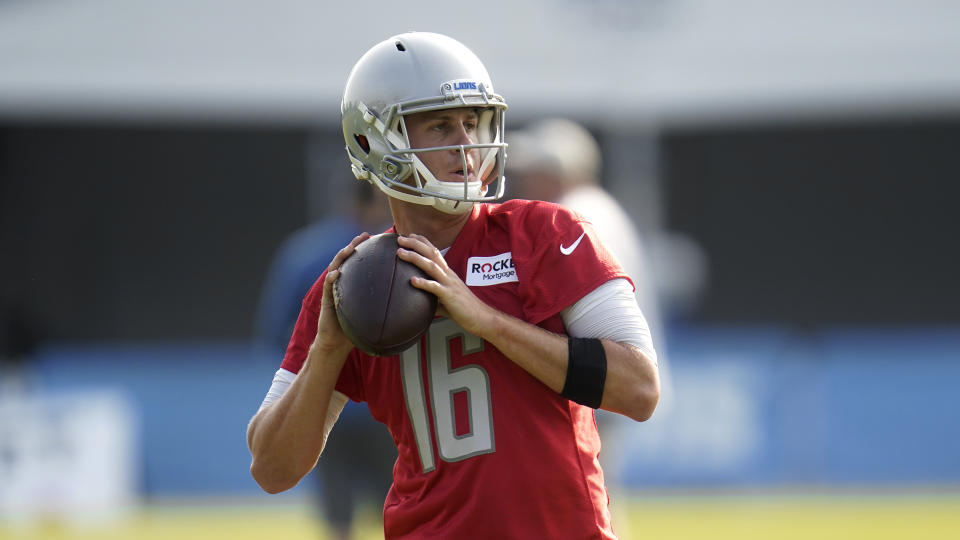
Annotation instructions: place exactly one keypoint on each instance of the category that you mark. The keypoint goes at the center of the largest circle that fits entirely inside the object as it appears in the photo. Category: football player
(492, 411)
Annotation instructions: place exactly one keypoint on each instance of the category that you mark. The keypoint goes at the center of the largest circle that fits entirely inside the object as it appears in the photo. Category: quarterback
(492, 412)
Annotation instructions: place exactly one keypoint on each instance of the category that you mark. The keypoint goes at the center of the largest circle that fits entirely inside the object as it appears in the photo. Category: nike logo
(573, 246)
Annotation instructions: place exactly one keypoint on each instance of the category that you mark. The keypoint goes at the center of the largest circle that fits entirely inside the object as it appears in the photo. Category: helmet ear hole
(363, 142)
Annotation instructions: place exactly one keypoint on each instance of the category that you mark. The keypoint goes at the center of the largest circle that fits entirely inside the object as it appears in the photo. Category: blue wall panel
(193, 401)
(742, 407)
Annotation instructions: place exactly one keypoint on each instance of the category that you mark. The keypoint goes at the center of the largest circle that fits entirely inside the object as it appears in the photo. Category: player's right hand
(456, 300)
(329, 334)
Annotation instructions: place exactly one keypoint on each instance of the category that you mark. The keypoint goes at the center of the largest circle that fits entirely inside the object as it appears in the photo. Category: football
(378, 308)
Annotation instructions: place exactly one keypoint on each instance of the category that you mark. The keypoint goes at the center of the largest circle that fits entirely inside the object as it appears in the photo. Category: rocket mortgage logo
(483, 271)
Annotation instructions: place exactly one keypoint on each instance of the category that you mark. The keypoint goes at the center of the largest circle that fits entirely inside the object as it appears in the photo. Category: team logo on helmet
(464, 86)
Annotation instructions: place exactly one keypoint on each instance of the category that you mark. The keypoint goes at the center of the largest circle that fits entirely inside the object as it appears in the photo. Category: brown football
(378, 308)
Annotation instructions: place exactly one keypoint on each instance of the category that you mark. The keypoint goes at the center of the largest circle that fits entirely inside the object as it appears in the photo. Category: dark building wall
(165, 232)
(143, 232)
(821, 224)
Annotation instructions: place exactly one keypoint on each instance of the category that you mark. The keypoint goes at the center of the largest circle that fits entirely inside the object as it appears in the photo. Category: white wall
(659, 60)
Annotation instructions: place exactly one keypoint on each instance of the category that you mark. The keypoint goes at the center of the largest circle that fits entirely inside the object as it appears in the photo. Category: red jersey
(485, 450)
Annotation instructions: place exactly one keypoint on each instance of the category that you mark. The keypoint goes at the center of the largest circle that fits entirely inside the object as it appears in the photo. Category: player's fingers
(422, 245)
(332, 276)
(452, 304)
(435, 267)
(434, 287)
(431, 287)
(420, 261)
(359, 238)
(347, 251)
(415, 242)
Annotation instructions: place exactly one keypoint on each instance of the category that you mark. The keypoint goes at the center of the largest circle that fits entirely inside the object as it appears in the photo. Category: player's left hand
(457, 301)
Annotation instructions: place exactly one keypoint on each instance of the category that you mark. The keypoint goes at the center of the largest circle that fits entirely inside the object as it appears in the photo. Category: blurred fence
(750, 407)
(764, 407)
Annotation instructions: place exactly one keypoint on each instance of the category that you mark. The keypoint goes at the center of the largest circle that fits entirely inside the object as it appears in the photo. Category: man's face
(445, 127)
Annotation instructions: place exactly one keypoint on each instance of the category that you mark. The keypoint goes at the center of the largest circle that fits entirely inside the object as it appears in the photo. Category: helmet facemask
(403, 174)
(480, 165)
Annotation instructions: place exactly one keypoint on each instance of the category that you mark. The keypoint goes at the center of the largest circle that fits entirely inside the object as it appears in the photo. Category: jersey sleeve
(305, 331)
(559, 259)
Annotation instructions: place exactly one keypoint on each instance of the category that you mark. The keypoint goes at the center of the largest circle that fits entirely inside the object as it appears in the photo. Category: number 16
(444, 383)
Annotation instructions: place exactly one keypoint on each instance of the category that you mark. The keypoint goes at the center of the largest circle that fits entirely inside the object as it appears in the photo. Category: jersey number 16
(444, 384)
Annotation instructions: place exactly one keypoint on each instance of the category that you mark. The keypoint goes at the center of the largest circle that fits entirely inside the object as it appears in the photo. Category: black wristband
(586, 371)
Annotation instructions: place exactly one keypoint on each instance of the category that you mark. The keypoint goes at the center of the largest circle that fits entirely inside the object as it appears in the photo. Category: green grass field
(673, 517)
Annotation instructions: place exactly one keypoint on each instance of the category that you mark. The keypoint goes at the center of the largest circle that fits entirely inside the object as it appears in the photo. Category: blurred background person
(558, 160)
(357, 464)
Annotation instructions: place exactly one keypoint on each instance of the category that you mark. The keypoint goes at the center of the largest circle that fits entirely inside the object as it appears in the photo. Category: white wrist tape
(282, 380)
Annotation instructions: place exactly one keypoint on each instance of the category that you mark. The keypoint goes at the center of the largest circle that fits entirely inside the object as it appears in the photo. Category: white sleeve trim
(337, 402)
(282, 380)
(610, 312)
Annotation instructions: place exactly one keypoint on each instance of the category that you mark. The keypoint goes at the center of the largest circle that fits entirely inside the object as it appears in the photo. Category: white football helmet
(412, 73)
